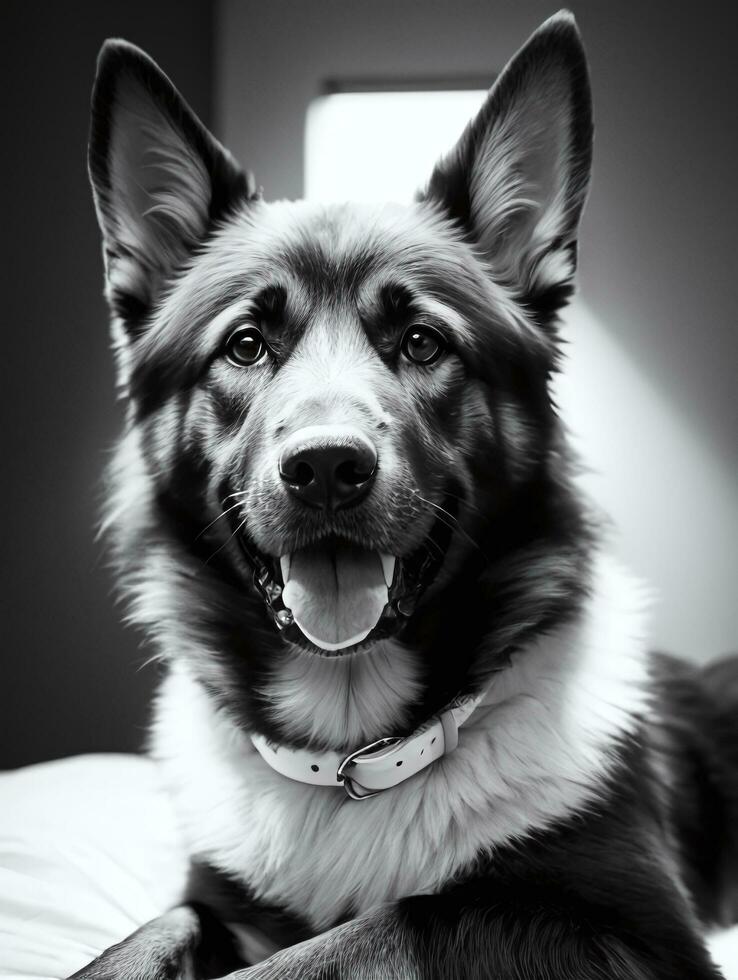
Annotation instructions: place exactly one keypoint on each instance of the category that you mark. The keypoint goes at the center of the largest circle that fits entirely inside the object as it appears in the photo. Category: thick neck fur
(343, 702)
(538, 751)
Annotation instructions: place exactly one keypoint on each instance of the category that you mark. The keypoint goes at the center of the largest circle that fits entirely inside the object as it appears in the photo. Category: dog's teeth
(388, 568)
(284, 564)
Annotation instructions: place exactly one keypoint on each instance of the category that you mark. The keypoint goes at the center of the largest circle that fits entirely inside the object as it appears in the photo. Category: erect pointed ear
(160, 179)
(517, 179)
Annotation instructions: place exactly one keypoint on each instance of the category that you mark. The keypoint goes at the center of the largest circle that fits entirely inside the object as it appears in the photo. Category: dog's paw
(118, 963)
(163, 949)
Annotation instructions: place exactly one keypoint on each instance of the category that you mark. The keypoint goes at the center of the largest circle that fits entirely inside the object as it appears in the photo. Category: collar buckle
(368, 753)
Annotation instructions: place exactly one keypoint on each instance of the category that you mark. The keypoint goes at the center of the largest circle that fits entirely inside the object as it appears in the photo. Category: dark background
(658, 269)
(70, 679)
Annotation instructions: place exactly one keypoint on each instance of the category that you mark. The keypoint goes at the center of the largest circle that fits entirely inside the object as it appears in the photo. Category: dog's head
(339, 423)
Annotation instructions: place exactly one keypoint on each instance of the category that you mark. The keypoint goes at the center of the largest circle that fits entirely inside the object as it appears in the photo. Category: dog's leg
(375, 946)
(186, 943)
(428, 938)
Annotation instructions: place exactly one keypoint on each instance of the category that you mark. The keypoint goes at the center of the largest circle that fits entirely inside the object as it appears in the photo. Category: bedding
(89, 850)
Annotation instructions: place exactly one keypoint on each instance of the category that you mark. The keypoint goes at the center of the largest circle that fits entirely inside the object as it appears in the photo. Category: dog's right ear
(160, 179)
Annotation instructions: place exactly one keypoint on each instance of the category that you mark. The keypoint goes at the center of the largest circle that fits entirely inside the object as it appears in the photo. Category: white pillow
(89, 851)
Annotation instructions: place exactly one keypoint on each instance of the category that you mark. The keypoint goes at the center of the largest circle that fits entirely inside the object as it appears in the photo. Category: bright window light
(381, 146)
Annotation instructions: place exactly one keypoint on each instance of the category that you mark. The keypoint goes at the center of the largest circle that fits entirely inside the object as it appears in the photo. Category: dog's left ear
(159, 178)
(517, 179)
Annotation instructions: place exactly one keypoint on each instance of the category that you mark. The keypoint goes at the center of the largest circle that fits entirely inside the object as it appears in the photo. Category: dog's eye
(245, 347)
(423, 345)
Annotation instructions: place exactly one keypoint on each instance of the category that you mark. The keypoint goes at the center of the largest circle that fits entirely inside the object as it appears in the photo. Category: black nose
(328, 472)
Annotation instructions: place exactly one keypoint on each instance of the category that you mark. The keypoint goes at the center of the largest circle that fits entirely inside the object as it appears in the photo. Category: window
(381, 145)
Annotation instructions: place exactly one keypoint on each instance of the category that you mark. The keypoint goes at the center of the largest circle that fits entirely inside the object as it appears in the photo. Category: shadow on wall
(671, 495)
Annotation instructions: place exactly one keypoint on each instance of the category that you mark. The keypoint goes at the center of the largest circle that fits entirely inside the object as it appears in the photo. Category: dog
(407, 717)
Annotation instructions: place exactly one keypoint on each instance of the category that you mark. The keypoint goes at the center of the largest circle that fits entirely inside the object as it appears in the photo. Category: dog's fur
(585, 827)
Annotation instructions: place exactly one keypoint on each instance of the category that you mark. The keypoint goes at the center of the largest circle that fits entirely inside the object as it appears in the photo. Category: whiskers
(228, 540)
(467, 503)
(240, 494)
(450, 521)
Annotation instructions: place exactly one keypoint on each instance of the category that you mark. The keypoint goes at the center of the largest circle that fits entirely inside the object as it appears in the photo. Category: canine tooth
(284, 563)
(285, 618)
(388, 568)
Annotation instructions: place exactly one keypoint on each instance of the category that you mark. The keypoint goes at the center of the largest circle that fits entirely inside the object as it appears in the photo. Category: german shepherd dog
(408, 720)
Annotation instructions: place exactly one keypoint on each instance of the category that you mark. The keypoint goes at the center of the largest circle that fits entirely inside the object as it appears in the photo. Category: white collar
(381, 764)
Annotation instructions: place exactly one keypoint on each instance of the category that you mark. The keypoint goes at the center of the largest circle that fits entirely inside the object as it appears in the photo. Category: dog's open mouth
(336, 591)
(334, 595)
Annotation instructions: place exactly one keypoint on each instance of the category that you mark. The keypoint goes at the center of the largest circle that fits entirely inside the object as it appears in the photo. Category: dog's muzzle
(412, 577)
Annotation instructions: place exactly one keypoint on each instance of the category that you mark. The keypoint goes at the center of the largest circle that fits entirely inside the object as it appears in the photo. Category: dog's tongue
(336, 593)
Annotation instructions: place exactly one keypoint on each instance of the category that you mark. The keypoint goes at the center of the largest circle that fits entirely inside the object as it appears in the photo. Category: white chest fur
(537, 751)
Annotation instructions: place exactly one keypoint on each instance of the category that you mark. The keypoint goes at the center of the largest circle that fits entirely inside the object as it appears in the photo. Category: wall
(69, 680)
(654, 347)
